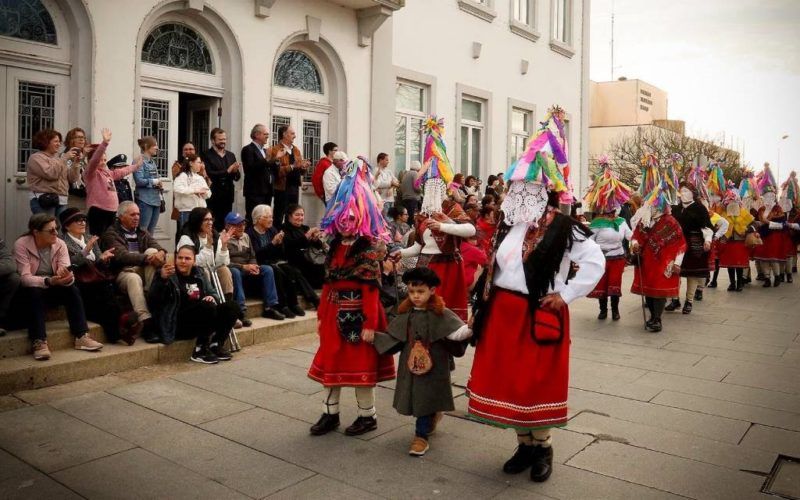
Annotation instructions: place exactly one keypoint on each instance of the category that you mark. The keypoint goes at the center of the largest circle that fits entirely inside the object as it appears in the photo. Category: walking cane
(641, 284)
(234, 339)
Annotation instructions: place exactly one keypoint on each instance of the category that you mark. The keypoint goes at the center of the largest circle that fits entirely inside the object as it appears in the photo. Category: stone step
(22, 372)
(16, 342)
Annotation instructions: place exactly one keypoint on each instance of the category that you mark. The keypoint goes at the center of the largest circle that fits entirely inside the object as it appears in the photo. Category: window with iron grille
(155, 122)
(295, 70)
(312, 147)
(278, 122)
(27, 20)
(177, 46)
(36, 112)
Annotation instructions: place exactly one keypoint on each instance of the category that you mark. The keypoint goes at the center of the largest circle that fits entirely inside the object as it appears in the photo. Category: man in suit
(223, 169)
(291, 167)
(259, 170)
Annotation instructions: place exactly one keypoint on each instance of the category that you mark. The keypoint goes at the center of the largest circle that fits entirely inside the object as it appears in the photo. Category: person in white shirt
(385, 182)
(333, 176)
(191, 189)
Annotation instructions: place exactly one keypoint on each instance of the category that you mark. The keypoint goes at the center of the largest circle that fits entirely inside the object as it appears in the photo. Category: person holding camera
(47, 279)
(148, 185)
(49, 174)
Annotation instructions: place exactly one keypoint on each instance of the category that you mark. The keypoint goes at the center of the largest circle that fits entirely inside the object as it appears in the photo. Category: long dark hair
(186, 164)
(195, 221)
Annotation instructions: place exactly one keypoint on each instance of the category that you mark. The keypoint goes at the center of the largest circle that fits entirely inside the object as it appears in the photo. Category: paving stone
(688, 422)
(323, 488)
(237, 467)
(51, 440)
(675, 358)
(519, 494)
(634, 361)
(741, 353)
(720, 390)
(609, 379)
(777, 379)
(770, 438)
(294, 357)
(389, 471)
(748, 413)
(182, 401)
(138, 474)
(666, 472)
(11, 403)
(673, 443)
(72, 389)
(275, 373)
(19, 480)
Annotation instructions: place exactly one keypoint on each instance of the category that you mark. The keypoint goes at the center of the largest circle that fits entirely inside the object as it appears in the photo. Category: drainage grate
(784, 479)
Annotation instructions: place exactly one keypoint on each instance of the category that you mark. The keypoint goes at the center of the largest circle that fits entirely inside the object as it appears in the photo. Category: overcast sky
(728, 66)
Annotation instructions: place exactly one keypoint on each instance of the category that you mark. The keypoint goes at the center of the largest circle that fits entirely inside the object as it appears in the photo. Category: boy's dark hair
(421, 276)
(328, 147)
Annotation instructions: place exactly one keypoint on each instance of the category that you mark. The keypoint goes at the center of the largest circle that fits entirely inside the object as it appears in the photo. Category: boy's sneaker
(40, 350)
(221, 353)
(87, 343)
(204, 355)
(419, 446)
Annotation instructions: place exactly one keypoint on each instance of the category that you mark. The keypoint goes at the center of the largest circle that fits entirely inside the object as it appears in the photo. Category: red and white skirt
(610, 285)
(774, 247)
(453, 288)
(515, 381)
(734, 253)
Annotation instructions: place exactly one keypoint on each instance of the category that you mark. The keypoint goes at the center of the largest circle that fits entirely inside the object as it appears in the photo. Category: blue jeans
(149, 217)
(265, 280)
(424, 426)
(37, 209)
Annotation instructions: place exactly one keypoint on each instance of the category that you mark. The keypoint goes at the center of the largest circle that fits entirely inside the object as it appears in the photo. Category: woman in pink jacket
(43, 265)
(101, 193)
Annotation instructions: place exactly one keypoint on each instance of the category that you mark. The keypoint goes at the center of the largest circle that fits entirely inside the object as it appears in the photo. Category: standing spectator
(187, 150)
(333, 176)
(409, 193)
(385, 182)
(291, 167)
(224, 171)
(148, 185)
(191, 190)
(187, 310)
(121, 185)
(92, 269)
(297, 242)
(101, 192)
(137, 256)
(494, 186)
(247, 273)
(76, 138)
(48, 173)
(259, 170)
(9, 282)
(472, 185)
(43, 265)
(328, 149)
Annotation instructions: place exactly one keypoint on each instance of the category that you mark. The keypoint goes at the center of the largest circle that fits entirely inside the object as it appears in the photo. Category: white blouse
(430, 247)
(610, 240)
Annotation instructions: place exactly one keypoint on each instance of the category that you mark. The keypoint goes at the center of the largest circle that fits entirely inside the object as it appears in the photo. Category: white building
(361, 73)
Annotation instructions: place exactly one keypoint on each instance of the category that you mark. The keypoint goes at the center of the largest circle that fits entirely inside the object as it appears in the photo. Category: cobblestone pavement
(701, 410)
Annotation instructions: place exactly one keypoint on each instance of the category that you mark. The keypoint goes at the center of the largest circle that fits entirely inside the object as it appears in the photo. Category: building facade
(361, 73)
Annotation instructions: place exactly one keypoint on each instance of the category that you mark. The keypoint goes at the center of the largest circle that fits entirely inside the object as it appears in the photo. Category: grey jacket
(7, 263)
(407, 191)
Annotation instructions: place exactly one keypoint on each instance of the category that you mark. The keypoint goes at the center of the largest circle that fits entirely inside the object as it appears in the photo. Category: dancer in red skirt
(733, 253)
(771, 256)
(350, 306)
(520, 371)
(604, 198)
(790, 202)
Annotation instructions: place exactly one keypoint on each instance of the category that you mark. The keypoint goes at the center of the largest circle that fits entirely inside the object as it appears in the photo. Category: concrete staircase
(19, 371)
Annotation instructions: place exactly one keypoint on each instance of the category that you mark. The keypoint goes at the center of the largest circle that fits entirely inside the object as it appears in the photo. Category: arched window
(296, 70)
(28, 20)
(177, 46)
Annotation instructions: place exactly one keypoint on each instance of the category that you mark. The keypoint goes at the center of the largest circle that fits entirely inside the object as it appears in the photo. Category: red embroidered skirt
(610, 285)
(774, 247)
(734, 253)
(649, 279)
(341, 363)
(791, 245)
(454, 286)
(516, 382)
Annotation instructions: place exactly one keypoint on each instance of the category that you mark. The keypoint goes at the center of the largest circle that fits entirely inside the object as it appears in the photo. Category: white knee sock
(365, 397)
(331, 401)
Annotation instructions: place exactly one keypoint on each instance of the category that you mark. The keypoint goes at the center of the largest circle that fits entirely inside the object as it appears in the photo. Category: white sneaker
(87, 343)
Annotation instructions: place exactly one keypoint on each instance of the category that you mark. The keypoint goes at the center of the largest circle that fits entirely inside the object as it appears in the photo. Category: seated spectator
(49, 174)
(398, 223)
(298, 239)
(211, 252)
(9, 283)
(137, 257)
(191, 189)
(456, 189)
(101, 192)
(93, 277)
(267, 242)
(472, 185)
(186, 309)
(43, 265)
(247, 273)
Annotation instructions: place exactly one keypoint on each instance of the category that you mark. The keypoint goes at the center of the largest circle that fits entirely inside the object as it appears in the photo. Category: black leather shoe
(541, 463)
(789, 278)
(732, 287)
(151, 337)
(654, 325)
(603, 314)
(271, 313)
(687, 308)
(325, 424)
(520, 461)
(297, 310)
(767, 283)
(246, 322)
(362, 425)
(287, 312)
(615, 314)
(698, 294)
(673, 305)
(776, 283)
(712, 284)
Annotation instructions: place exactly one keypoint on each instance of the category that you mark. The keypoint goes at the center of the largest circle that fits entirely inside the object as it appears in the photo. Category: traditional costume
(604, 199)
(716, 188)
(790, 202)
(771, 256)
(438, 249)
(748, 194)
(350, 303)
(733, 252)
(658, 241)
(520, 371)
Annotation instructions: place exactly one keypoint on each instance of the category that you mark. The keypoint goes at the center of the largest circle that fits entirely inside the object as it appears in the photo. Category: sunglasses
(48, 231)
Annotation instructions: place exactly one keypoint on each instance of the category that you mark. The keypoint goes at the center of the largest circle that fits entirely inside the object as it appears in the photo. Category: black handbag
(315, 255)
(48, 200)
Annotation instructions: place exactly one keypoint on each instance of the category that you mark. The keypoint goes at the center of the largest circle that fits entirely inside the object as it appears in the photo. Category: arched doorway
(189, 72)
(309, 93)
(45, 74)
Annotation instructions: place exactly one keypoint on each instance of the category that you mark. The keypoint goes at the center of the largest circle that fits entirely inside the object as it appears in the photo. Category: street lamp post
(778, 172)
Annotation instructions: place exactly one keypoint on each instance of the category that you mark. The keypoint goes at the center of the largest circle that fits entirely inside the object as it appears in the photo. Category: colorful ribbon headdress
(545, 159)
(791, 190)
(354, 208)
(435, 163)
(606, 193)
(716, 185)
(765, 181)
(696, 177)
